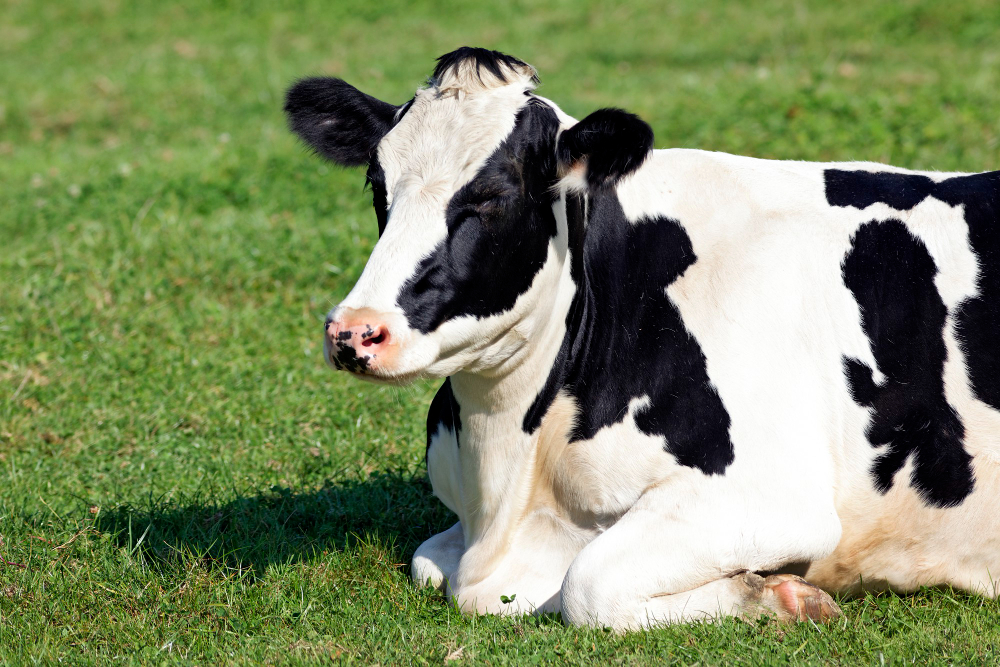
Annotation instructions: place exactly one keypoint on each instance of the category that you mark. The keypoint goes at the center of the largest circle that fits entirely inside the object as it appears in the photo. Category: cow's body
(712, 365)
(766, 302)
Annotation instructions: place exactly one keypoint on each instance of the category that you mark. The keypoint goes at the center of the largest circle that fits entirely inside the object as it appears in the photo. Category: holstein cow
(675, 378)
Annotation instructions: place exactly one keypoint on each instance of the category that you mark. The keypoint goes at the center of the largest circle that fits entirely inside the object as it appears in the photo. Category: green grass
(183, 480)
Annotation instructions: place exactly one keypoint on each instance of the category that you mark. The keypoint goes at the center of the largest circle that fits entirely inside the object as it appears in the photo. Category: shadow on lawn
(282, 525)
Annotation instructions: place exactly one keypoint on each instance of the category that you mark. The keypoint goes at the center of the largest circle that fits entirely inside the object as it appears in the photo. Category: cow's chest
(598, 479)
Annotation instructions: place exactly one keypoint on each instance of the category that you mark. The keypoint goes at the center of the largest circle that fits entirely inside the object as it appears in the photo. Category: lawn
(181, 477)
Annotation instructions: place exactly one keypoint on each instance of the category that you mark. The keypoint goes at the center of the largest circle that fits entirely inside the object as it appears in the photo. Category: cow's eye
(466, 214)
(493, 206)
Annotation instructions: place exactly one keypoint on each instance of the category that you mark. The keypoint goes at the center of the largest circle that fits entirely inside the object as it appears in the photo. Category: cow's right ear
(337, 120)
(608, 144)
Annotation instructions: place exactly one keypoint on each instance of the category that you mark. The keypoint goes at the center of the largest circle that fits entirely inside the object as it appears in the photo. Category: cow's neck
(498, 457)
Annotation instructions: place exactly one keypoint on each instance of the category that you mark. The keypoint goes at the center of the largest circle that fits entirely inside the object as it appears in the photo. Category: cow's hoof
(791, 598)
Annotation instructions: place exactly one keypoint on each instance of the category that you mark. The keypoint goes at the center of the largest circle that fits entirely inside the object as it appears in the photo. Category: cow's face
(463, 180)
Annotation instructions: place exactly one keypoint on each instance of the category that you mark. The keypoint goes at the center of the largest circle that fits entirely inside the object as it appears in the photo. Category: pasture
(183, 480)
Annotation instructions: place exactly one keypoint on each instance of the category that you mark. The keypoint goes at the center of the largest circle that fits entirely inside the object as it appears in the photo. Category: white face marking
(439, 145)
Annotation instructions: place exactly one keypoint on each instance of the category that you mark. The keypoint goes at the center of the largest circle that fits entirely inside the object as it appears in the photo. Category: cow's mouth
(368, 367)
(346, 358)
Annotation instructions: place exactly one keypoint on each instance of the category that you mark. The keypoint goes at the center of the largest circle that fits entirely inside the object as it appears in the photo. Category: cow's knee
(436, 560)
(592, 593)
(425, 572)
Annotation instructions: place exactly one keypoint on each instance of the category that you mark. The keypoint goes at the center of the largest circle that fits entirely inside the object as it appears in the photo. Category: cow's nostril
(377, 339)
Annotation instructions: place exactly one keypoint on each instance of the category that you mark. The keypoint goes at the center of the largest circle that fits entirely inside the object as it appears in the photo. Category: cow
(678, 385)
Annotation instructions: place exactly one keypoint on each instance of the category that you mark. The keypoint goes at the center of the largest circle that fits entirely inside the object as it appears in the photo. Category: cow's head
(465, 182)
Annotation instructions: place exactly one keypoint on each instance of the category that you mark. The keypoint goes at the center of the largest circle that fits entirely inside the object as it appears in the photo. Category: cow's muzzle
(359, 341)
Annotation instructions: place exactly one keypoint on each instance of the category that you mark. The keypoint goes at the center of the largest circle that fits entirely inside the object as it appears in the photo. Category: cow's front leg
(657, 567)
(436, 560)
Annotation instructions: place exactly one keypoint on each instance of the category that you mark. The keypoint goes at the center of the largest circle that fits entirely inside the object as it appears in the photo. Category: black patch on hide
(499, 227)
(861, 189)
(444, 411)
(625, 339)
(891, 275)
(613, 142)
(978, 317)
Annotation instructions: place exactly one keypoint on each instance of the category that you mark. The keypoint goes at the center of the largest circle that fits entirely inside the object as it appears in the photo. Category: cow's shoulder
(627, 356)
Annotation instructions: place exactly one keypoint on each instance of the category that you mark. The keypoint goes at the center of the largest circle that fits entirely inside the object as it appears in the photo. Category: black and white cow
(671, 370)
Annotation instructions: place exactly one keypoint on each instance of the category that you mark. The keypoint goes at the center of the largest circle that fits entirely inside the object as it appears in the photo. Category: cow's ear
(337, 120)
(608, 144)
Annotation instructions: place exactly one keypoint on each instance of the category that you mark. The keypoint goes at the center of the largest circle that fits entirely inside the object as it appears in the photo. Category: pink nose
(356, 341)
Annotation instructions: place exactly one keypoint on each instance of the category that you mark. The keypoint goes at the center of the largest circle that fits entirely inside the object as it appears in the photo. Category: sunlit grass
(181, 478)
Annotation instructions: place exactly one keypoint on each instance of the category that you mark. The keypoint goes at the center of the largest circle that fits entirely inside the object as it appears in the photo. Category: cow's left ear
(337, 120)
(608, 144)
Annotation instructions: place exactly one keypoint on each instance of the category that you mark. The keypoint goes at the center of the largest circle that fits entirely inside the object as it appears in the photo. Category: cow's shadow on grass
(281, 525)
